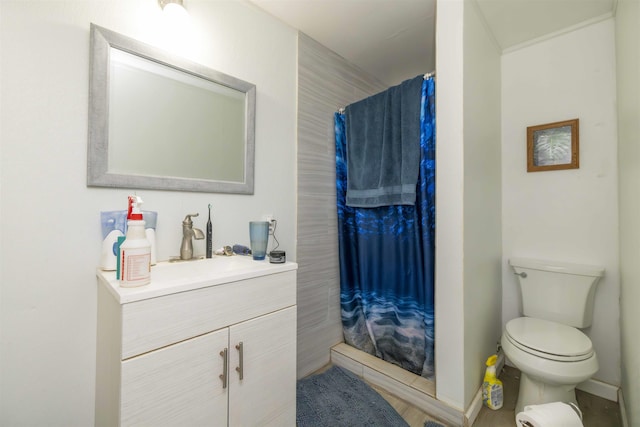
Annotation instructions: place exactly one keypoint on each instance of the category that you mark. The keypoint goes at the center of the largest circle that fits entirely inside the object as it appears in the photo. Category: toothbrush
(209, 235)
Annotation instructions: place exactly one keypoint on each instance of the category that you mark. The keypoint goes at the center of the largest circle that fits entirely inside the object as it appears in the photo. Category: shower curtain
(387, 261)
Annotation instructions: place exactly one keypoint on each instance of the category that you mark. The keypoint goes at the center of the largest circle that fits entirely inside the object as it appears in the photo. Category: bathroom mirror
(161, 122)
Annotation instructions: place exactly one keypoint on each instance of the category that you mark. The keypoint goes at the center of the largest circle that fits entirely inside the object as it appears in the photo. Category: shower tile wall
(326, 82)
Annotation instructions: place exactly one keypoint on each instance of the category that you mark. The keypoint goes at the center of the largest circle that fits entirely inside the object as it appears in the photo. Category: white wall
(628, 72)
(568, 215)
(467, 202)
(449, 286)
(482, 199)
(50, 220)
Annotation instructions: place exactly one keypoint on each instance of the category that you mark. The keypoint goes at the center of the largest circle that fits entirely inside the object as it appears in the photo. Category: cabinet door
(178, 385)
(266, 396)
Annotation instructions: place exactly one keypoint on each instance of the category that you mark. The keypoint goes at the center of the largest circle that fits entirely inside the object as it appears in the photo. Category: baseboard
(474, 409)
(600, 389)
(476, 404)
(623, 409)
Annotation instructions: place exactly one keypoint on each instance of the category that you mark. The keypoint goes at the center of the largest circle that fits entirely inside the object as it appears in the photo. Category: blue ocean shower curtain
(387, 261)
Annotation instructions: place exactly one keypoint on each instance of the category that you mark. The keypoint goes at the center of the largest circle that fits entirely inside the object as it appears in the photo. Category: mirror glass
(160, 122)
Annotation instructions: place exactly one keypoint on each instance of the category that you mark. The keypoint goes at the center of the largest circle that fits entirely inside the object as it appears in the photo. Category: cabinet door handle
(225, 359)
(240, 368)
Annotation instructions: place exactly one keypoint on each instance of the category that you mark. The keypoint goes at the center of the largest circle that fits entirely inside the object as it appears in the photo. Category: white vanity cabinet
(207, 343)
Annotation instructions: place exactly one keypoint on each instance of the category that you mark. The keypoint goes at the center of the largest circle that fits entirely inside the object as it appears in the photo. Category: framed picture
(553, 146)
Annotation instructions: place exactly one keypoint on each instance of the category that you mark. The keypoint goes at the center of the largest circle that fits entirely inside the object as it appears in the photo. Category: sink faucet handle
(187, 219)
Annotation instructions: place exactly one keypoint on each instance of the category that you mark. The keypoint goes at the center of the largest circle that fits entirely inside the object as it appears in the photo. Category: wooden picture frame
(553, 146)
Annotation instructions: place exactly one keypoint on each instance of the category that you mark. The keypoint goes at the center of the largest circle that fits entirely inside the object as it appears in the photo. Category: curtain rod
(425, 76)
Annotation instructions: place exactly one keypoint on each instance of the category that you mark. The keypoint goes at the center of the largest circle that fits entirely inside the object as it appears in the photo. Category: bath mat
(337, 398)
(432, 424)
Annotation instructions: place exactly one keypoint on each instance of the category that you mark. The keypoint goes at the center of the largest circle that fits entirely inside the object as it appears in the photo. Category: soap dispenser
(135, 251)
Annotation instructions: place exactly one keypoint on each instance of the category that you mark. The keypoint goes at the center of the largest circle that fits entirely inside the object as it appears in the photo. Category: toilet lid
(549, 339)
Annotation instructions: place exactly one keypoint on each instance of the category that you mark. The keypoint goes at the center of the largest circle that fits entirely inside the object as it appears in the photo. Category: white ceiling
(514, 22)
(395, 39)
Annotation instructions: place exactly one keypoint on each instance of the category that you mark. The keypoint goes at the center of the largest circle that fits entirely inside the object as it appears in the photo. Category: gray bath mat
(338, 398)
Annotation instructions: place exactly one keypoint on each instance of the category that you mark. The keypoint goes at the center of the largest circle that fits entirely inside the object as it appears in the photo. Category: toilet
(546, 345)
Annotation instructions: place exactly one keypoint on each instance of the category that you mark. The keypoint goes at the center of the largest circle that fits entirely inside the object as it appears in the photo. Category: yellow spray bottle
(492, 393)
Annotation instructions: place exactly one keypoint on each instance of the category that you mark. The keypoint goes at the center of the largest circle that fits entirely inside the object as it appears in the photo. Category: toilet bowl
(546, 344)
(553, 358)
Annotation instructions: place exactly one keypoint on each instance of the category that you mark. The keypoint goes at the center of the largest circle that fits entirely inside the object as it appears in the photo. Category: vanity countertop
(173, 277)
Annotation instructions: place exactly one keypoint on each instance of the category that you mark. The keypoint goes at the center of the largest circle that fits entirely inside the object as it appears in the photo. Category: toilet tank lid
(557, 266)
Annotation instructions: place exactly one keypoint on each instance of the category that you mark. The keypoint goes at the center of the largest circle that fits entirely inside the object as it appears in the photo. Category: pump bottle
(135, 251)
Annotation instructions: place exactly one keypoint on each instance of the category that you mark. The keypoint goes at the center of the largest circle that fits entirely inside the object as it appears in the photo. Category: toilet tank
(557, 291)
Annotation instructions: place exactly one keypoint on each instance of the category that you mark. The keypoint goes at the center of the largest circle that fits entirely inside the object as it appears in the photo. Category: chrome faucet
(188, 233)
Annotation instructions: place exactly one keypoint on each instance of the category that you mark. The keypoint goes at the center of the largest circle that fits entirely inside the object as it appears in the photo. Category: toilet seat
(549, 340)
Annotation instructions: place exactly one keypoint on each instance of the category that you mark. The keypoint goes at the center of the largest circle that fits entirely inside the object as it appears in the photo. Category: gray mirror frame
(98, 139)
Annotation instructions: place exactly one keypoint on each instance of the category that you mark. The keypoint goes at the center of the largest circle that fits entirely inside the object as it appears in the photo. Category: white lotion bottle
(135, 251)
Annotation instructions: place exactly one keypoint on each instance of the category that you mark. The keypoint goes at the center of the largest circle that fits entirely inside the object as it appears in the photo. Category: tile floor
(597, 412)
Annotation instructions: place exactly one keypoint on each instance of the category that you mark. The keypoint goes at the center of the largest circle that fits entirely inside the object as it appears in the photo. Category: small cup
(259, 236)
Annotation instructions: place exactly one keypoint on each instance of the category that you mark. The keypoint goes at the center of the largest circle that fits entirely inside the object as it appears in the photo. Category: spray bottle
(492, 395)
(135, 251)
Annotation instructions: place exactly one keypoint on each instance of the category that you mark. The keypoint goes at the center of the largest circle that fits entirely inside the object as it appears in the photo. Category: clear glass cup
(259, 237)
